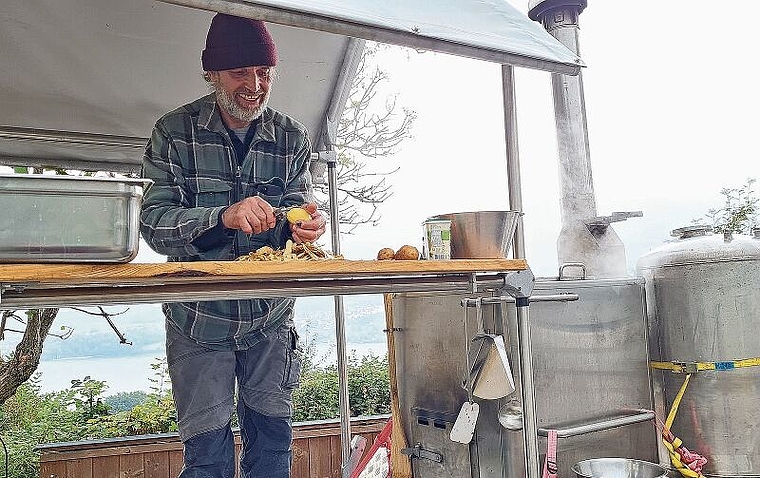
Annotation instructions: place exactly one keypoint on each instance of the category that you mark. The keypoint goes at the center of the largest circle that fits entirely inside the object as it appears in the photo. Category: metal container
(590, 362)
(617, 468)
(481, 234)
(703, 303)
(47, 218)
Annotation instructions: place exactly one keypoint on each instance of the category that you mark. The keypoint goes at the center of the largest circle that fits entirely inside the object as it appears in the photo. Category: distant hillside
(143, 325)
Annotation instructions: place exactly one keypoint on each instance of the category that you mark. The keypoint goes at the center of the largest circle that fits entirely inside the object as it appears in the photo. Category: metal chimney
(585, 237)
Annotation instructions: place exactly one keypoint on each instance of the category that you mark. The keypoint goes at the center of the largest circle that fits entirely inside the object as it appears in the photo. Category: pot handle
(564, 266)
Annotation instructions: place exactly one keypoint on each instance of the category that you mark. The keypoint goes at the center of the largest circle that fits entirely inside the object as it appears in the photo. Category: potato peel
(305, 251)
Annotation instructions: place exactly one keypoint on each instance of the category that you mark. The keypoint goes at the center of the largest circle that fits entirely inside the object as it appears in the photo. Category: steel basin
(481, 234)
(618, 468)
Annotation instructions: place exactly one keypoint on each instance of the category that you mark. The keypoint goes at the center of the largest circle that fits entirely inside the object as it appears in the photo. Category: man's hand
(311, 230)
(252, 215)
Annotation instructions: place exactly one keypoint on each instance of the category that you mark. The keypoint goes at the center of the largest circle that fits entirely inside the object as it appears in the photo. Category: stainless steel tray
(47, 218)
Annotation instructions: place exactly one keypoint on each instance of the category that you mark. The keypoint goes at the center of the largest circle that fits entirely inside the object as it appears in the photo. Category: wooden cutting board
(219, 270)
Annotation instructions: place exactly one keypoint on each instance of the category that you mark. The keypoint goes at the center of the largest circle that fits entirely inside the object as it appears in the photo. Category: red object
(382, 440)
(693, 460)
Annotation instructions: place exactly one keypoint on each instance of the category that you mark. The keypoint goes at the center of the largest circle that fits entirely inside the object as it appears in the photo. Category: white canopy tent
(83, 81)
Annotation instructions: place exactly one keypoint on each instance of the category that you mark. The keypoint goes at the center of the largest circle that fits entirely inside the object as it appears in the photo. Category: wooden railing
(316, 453)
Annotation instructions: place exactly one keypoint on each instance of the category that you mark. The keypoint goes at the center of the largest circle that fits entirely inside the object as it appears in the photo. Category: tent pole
(341, 92)
(340, 322)
(525, 379)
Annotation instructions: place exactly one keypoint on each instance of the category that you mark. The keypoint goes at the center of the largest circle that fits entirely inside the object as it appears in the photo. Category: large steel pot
(481, 234)
(703, 300)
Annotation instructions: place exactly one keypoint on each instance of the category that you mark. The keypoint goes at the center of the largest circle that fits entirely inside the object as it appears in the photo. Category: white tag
(464, 426)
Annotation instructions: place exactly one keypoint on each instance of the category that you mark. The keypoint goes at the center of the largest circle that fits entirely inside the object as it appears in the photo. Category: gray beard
(234, 109)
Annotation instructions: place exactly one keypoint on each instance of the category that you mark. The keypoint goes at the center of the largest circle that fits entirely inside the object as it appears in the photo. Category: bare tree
(372, 128)
(20, 365)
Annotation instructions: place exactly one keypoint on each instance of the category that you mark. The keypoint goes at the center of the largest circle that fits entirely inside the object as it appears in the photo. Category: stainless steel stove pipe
(602, 252)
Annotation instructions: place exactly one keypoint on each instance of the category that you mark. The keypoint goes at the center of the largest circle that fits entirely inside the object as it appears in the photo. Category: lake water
(130, 373)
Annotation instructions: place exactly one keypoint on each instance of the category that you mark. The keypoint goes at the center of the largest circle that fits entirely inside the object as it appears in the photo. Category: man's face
(242, 93)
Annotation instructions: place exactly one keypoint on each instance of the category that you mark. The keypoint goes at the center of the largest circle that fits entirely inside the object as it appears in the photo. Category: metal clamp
(689, 367)
(11, 287)
(418, 452)
(598, 225)
(473, 283)
(519, 284)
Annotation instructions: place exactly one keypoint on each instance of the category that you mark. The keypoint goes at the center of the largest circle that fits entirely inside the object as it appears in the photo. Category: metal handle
(511, 300)
(572, 264)
(418, 452)
(615, 422)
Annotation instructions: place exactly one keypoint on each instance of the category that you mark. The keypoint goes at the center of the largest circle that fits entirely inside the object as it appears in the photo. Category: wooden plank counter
(52, 285)
(73, 274)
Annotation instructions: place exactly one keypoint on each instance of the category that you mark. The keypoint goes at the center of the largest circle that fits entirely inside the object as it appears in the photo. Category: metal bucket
(617, 468)
(481, 234)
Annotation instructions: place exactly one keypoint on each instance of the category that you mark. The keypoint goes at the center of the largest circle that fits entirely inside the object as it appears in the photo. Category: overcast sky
(672, 104)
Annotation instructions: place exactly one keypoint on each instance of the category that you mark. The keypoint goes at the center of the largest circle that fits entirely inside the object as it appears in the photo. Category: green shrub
(155, 415)
(368, 391)
(31, 417)
(124, 401)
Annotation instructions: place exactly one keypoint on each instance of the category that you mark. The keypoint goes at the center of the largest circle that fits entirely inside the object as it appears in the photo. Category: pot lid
(698, 244)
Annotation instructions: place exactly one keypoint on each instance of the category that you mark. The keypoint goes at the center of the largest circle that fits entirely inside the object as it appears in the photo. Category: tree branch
(107, 315)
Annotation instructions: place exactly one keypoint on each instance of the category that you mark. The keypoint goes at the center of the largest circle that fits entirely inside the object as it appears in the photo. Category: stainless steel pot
(481, 234)
(50, 218)
(703, 301)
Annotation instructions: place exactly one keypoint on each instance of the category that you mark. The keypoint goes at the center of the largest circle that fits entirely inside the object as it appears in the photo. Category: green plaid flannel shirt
(196, 174)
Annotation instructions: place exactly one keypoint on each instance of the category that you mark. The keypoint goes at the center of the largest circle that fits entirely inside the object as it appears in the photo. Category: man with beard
(219, 165)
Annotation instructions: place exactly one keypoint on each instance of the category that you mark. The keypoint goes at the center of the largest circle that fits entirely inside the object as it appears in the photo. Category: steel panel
(590, 362)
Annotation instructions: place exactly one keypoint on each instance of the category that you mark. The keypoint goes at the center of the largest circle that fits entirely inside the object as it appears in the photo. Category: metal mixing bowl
(618, 468)
(481, 234)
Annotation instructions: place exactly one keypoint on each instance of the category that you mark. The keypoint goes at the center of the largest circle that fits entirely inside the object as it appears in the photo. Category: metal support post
(340, 321)
(513, 157)
(520, 286)
(530, 425)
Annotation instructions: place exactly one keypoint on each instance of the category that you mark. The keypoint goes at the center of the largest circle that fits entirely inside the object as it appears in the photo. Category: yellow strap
(675, 458)
(677, 402)
(672, 366)
(690, 367)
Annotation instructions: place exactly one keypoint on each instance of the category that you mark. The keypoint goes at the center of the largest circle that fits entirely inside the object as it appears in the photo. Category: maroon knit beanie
(236, 42)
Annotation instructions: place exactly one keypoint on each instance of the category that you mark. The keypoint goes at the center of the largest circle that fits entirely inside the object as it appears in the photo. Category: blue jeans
(266, 449)
(203, 384)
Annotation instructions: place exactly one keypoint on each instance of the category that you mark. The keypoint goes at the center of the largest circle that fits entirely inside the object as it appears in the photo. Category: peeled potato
(298, 214)
(385, 253)
(407, 252)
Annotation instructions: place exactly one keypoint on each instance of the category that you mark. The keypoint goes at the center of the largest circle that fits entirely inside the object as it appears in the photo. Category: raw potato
(385, 253)
(407, 252)
(298, 214)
